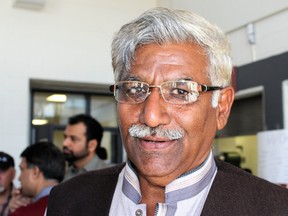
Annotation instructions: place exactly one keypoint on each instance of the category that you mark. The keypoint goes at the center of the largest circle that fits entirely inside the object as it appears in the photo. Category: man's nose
(155, 109)
(66, 141)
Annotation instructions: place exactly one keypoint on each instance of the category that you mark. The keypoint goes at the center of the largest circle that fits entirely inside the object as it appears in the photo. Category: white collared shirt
(185, 195)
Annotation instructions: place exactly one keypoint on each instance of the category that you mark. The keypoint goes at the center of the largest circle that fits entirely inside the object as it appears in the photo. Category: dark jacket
(234, 192)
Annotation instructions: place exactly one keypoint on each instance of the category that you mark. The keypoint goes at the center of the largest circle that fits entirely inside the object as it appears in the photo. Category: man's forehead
(171, 53)
(78, 128)
(7, 170)
(169, 63)
(23, 163)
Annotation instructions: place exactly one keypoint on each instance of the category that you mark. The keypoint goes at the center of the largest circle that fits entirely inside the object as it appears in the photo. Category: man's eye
(135, 90)
(179, 91)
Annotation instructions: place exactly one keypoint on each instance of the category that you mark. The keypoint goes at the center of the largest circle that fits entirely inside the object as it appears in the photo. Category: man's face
(75, 143)
(27, 179)
(6, 178)
(159, 158)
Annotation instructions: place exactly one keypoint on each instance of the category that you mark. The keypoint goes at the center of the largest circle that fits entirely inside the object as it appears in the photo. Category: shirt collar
(44, 192)
(92, 164)
(89, 166)
(185, 186)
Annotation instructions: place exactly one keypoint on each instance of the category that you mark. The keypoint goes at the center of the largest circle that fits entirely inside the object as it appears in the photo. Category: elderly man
(172, 72)
(7, 175)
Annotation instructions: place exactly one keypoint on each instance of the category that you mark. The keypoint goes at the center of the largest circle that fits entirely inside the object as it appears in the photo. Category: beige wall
(246, 146)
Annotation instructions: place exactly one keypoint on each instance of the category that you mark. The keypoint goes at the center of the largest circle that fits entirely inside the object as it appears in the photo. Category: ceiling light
(39, 121)
(31, 4)
(57, 98)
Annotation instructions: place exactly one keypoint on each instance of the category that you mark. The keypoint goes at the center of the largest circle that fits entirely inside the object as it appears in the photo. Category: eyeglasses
(173, 92)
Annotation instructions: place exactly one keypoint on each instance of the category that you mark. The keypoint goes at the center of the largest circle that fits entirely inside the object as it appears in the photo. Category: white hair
(163, 26)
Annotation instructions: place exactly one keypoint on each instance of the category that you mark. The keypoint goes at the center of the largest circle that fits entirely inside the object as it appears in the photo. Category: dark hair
(94, 130)
(48, 158)
(6, 161)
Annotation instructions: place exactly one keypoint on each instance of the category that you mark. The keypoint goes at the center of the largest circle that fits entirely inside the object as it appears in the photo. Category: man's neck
(43, 185)
(151, 195)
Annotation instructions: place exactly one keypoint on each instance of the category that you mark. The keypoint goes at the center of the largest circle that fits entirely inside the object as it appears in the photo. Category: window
(53, 103)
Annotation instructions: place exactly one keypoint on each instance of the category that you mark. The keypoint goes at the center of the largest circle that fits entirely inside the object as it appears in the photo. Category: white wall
(269, 17)
(271, 35)
(66, 40)
(228, 14)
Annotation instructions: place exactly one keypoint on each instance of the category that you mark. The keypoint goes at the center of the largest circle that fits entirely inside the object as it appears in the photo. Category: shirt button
(138, 212)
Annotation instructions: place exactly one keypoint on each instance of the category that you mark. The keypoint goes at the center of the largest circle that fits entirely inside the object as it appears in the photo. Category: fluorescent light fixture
(30, 4)
(39, 121)
(57, 98)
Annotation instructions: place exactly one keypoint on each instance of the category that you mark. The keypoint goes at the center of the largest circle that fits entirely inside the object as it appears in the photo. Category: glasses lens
(131, 92)
(180, 92)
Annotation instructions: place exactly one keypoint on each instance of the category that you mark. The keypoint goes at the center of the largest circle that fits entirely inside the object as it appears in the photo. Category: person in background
(42, 167)
(7, 175)
(173, 89)
(82, 145)
(81, 148)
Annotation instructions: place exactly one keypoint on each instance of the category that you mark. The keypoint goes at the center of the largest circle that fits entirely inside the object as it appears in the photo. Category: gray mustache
(141, 131)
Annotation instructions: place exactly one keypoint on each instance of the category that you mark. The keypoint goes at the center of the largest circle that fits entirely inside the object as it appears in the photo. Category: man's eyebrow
(131, 78)
(185, 79)
(74, 137)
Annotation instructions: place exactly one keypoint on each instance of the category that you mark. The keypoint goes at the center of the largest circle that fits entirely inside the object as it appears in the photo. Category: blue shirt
(43, 192)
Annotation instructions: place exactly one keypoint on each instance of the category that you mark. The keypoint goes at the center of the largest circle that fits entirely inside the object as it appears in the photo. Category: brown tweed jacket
(234, 192)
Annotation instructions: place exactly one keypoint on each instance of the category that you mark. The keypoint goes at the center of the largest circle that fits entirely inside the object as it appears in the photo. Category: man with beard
(7, 174)
(81, 146)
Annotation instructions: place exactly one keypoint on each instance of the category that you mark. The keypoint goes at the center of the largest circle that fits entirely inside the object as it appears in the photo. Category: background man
(173, 90)
(42, 167)
(81, 146)
(7, 174)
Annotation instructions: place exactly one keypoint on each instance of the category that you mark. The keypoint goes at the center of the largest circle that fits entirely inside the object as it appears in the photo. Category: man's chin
(69, 158)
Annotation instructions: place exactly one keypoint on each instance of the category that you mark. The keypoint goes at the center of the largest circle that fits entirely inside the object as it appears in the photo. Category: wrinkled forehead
(171, 61)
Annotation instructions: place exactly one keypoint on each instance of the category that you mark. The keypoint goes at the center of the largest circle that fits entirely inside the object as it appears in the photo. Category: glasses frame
(201, 88)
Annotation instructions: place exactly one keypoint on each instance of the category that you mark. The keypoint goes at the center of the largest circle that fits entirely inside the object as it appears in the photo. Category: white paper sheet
(273, 156)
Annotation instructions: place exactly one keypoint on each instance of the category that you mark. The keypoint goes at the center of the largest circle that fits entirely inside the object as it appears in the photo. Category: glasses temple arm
(205, 88)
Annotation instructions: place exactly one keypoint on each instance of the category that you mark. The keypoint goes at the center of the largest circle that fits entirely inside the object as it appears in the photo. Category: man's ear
(224, 106)
(36, 171)
(92, 145)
